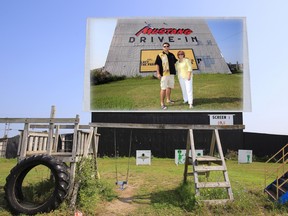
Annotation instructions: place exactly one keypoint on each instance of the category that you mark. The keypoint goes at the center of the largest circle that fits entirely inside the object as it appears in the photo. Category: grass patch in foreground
(158, 189)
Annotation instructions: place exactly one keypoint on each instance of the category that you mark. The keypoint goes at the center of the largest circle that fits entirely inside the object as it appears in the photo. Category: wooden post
(24, 143)
(188, 147)
(74, 157)
(225, 173)
(51, 131)
(212, 146)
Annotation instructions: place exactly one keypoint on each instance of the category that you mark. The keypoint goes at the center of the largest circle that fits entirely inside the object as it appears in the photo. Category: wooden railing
(276, 173)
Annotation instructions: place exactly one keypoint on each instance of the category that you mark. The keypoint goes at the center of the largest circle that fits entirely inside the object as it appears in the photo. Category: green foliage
(231, 155)
(100, 76)
(92, 190)
(187, 196)
(39, 192)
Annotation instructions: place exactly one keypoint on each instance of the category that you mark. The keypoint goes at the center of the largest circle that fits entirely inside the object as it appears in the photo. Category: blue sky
(42, 53)
(228, 34)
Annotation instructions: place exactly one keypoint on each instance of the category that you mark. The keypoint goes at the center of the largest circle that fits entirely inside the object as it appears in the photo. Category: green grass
(6, 166)
(211, 92)
(158, 189)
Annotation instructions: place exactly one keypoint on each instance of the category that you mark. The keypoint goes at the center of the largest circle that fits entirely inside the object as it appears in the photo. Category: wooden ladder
(206, 164)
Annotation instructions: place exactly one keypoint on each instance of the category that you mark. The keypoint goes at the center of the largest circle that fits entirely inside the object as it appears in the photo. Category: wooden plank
(45, 140)
(209, 168)
(20, 143)
(87, 143)
(207, 158)
(36, 143)
(198, 173)
(30, 143)
(225, 173)
(39, 120)
(23, 145)
(40, 134)
(35, 152)
(216, 202)
(213, 185)
(167, 126)
(62, 126)
(193, 154)
(187, 161)
(50, 139)
(212, 145)
(41, 143)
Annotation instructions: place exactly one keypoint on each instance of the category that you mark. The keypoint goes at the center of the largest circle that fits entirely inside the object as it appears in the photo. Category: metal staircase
(277, 190)
(203, 165)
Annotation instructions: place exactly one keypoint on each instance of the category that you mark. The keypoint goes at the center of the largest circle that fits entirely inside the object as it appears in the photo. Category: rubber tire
(14, 181)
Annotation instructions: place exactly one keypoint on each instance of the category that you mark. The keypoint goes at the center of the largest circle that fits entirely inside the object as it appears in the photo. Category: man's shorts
(167, 82)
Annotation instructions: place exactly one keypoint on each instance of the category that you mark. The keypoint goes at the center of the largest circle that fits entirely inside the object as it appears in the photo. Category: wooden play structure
(44, 136)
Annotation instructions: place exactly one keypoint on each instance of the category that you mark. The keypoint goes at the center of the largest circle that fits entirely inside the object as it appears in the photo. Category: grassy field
(211, 92)
(158, 190)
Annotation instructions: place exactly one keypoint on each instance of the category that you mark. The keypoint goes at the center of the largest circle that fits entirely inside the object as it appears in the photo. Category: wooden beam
(67, 126)
(39, 120)
(167, 126)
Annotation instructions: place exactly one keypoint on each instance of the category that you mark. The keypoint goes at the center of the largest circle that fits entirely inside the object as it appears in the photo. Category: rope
(129, 156)
(115, 146)
(122, 183)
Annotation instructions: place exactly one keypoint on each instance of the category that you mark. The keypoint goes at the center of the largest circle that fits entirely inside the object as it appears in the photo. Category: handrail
(276, 153)
(278, 169)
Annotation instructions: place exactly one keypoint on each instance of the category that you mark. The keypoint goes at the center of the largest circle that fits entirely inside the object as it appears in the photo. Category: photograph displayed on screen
(167, 64)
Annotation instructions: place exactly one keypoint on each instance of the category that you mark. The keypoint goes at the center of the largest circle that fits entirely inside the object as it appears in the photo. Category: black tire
(14, 181)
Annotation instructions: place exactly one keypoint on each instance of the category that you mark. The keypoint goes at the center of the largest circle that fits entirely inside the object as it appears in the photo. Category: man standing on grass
(165, 68)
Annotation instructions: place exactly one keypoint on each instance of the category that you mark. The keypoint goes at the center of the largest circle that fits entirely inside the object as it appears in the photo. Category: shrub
(187, 196)
(100, 76)
(231, 155)
(92, 190)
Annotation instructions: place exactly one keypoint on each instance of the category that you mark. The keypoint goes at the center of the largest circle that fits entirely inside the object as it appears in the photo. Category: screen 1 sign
(221, 119)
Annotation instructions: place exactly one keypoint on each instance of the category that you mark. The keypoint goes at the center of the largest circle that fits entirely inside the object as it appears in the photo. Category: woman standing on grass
(185, 76)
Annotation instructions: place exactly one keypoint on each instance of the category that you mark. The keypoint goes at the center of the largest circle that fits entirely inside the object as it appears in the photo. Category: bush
(231, 155)
(92, 190)
(100, 76)
(187, 196)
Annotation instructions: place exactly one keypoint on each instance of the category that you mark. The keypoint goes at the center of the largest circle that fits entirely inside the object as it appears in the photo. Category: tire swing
(15, 188)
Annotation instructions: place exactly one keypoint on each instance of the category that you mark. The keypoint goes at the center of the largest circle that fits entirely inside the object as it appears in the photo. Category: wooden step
(199, 173)
(213, 185)
(202, 168)
(208, 159)
(217, 201)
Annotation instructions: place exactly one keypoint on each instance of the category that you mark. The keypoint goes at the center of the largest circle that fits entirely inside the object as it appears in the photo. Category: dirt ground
(124, 205)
